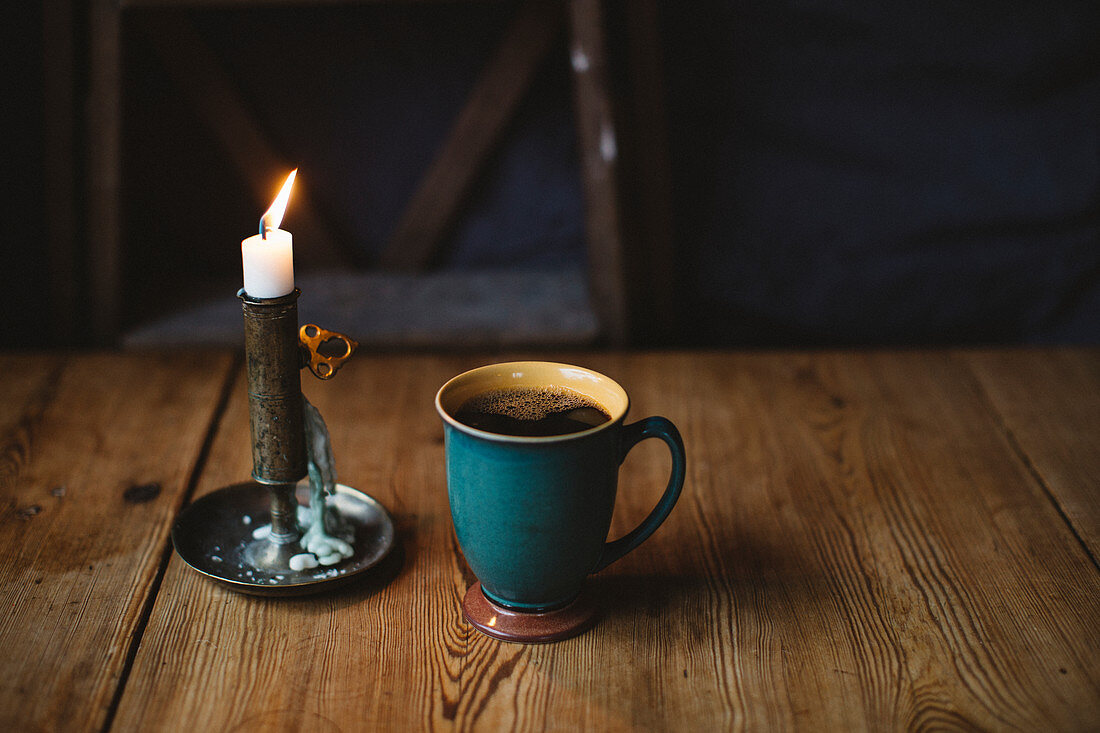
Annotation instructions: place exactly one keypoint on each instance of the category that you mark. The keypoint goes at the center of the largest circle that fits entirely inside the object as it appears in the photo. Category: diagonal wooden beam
(480, 125)
(198, 74)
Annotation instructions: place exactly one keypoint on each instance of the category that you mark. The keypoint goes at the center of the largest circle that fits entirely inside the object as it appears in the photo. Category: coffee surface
(532, 411)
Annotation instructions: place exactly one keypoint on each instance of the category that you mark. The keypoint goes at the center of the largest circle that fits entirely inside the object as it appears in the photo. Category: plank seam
(1025, 459)
(1035, 473)
(166, 552)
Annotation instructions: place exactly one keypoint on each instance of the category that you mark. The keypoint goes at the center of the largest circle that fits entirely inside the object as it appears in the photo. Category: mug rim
(616, 415)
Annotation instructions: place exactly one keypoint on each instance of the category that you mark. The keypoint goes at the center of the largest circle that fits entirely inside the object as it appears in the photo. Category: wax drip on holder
(293, 529)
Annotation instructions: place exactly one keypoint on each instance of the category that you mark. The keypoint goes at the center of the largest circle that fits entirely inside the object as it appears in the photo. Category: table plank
(80, 552)
(1049, 401)
(962, 597)
(859, 547)
(216, 660)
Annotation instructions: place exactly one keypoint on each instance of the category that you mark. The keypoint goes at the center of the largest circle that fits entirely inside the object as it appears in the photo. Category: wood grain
(97, 452)
(219, 660)
(861, 545)
(1049, 401)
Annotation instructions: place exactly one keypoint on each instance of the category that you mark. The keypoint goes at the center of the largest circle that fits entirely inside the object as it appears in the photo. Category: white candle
(267, 260)
(268, 264)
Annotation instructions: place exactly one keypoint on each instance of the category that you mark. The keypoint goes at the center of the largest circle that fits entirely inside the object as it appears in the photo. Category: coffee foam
(529, 403)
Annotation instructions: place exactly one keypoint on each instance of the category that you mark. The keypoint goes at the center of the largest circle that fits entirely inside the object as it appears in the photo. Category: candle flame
(273, 217)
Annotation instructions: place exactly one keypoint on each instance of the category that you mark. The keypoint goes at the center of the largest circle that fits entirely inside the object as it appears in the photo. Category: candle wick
(263, 227)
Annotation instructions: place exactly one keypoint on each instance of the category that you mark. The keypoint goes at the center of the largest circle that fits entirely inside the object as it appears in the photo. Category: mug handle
(650, 427)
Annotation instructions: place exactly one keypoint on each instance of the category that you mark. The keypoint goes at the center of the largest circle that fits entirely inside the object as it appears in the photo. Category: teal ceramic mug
(532, 513)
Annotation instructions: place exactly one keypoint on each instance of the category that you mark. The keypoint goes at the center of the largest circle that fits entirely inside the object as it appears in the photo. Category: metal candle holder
(216, 534)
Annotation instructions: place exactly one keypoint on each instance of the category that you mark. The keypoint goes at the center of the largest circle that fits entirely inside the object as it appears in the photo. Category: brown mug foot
(527, 627)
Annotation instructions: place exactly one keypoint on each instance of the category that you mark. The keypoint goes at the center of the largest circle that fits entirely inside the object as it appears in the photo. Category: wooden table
(866, 540)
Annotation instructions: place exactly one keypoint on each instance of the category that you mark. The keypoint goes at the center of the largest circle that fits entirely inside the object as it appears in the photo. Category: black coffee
(532, 411)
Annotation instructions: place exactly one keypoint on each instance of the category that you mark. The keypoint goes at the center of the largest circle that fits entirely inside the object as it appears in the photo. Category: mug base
(526, 627)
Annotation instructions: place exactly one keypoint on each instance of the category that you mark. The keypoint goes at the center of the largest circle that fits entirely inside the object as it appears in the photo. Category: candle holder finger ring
(313, 338)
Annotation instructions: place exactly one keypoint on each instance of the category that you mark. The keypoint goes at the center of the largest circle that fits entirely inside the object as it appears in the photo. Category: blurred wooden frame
(629, 255)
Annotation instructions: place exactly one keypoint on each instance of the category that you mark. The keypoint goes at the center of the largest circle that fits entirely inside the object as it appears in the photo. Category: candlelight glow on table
(267, 258)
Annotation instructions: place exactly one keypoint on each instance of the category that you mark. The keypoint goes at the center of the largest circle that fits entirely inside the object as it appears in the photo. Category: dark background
(843, 172)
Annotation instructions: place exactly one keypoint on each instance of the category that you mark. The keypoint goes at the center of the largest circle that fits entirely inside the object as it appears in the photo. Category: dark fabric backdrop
(868, 172)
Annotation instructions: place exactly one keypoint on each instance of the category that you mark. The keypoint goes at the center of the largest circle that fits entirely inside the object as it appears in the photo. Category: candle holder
(278, 534)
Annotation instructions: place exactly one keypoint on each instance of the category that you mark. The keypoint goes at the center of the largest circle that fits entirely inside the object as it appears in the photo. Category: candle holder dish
(280, 534)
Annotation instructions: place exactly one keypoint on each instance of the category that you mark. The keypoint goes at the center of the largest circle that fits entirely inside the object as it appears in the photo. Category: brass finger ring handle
(313, 338)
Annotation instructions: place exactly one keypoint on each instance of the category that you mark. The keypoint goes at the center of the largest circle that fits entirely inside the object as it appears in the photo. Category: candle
(267, 258)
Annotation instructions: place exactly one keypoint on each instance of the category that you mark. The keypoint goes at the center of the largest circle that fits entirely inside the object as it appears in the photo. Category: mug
(532, 513)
